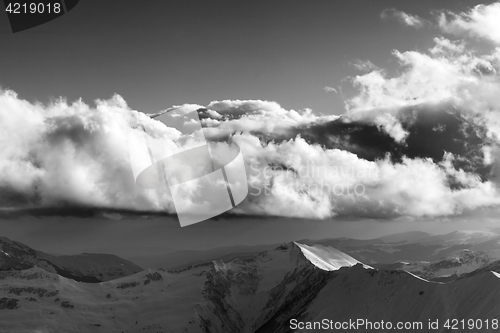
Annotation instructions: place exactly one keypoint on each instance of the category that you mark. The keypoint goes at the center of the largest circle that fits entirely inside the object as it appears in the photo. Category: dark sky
(162, 53)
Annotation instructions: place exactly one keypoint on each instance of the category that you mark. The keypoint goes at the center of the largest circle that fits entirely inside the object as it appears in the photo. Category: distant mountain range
(176, 259)
(85, 267)
(275, 291)
(419, 248)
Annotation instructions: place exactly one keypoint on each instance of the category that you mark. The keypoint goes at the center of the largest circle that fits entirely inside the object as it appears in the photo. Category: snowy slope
(397, 296)
(259, 294)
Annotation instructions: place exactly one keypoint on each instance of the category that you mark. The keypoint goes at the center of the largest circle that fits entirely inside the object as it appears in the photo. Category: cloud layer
(404, 18)
(422, 143)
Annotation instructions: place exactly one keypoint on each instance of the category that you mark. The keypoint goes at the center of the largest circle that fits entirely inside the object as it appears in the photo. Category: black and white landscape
(263, 292)
(369, 135)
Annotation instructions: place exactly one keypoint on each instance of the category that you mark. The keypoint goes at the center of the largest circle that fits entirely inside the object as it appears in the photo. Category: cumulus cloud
(301, 180)
(67, 154)
(450, 72)
(73, 154)
(449, 76)
(430, 77)
(404, 18)
(481, 21)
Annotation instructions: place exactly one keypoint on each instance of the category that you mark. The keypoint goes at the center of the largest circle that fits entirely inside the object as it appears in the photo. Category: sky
(156, 54)
(355, 119)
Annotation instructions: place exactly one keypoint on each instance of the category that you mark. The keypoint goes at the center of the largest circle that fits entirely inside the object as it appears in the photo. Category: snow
(496, 274)
(420, 278)
(246, 292)
(327, 258)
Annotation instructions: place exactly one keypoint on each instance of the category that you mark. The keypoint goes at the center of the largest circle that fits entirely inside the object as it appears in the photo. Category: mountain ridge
(260, 294)
(85, 267)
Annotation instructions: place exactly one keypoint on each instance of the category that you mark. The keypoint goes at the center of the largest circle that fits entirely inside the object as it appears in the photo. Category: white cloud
(77, 154)
(488, 155)
(443, 46)
(257, 115)
(328, 89)
(404, 18)
(68, 153)
(431, 77)
(391, 126)
(323, 183)
(364, 65)
(449, 74)
(482, 21)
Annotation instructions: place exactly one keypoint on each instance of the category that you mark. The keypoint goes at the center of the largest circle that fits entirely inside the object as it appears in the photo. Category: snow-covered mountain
(400, 297)
(265, 293)
(239, 296)
(85, 267)
(464, 261)
(246, 295)
(414, 247)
